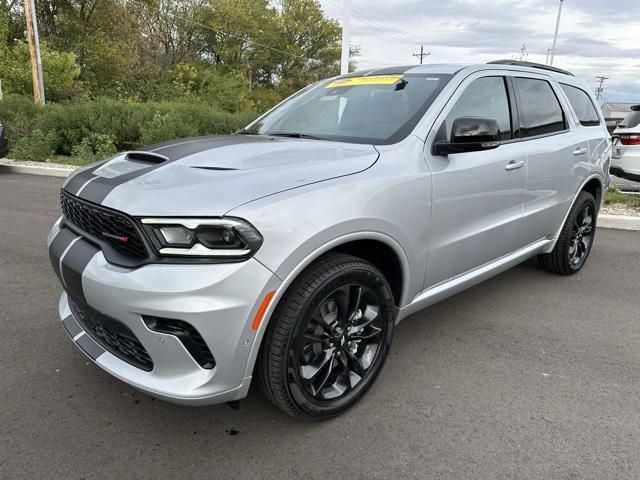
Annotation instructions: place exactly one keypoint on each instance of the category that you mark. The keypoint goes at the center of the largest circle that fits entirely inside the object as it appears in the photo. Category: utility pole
(422, 54)
(346, 24)
(34, 51)
(600, 90)
(555, 36)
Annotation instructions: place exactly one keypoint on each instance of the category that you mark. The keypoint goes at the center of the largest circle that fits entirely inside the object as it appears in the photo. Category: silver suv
(291, 249)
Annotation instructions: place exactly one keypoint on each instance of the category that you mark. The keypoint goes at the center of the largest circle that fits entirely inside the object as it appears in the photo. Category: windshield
(378, 109)
(631, 121)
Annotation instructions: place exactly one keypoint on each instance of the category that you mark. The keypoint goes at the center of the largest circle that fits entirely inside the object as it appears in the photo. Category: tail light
(630, 139)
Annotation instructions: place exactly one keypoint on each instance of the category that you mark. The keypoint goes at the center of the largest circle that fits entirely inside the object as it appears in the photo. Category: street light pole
(346, 24)
(555, 36)
(34, 51)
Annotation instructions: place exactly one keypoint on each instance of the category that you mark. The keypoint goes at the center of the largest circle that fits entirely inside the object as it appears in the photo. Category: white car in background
(625, 161)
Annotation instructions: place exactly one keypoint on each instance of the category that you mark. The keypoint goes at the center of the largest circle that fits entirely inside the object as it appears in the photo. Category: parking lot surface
(528, 375)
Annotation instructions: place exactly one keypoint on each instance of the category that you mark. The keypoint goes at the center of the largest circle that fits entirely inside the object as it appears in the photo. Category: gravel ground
(620, 209)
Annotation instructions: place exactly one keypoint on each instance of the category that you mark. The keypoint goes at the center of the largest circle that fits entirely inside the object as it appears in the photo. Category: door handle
(513, 165)
(580, 151)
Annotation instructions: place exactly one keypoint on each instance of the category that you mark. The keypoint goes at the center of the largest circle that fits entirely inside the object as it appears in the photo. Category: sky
(597, 37)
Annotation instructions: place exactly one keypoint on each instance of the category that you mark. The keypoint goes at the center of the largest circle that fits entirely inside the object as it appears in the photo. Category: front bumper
(218, 300)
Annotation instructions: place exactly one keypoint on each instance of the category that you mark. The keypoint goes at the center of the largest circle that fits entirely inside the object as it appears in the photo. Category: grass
(616, 196)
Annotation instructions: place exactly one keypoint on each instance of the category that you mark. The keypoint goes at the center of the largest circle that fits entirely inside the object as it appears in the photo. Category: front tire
(328, 338)
(576, 238)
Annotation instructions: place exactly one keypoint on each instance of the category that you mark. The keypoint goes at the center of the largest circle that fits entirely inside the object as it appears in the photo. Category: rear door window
(582, 105)
(538, 107)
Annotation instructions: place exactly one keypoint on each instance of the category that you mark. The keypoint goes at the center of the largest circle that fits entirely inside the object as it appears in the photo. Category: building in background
(615, 112)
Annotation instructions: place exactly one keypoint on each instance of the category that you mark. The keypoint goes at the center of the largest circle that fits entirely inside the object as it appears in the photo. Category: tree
(59, 69)
(231, 52)
(313, 38)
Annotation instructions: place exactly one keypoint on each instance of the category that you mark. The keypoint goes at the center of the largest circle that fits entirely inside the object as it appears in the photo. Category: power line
(377, 25)
(220, 32)
(383, 27)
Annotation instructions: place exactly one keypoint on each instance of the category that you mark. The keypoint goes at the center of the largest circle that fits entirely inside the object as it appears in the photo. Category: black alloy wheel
(339, 342)
(582, 235)
(576, 238)
(328, 338)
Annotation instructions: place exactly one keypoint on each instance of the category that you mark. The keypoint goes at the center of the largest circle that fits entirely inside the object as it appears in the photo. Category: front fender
(301, 265)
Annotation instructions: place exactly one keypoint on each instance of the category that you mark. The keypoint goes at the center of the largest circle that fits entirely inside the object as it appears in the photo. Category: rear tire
(576, 238)
(328, 338)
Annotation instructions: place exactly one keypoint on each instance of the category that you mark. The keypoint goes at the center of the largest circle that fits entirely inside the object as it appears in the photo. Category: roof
(398, 69)
(558, 75)
(447, 68)
(519, 63)
(618, 107)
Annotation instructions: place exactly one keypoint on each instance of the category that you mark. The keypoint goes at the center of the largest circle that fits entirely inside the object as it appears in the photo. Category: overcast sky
(597, 37)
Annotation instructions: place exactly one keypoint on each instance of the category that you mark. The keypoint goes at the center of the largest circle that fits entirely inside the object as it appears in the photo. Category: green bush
(37, 146)
(94, 147)
(104, 126)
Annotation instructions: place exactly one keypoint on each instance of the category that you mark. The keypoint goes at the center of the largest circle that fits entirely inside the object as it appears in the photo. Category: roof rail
(519, 63)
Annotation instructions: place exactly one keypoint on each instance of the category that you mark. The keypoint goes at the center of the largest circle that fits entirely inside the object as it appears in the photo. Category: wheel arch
(594, 185)
(363, 245)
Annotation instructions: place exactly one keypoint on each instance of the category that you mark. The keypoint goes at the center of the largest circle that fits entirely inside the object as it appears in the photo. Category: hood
(210, 176)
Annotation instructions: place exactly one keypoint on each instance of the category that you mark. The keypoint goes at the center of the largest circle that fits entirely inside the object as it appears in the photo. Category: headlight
(224, 238)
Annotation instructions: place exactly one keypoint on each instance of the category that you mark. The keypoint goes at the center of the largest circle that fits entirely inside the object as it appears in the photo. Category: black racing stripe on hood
(76, 182)
(99, 187)
(181, 149)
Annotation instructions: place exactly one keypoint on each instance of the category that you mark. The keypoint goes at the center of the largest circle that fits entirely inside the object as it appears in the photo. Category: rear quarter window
(582, 105)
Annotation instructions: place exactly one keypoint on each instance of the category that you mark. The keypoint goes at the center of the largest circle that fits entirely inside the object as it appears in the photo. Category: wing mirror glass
(470, 134)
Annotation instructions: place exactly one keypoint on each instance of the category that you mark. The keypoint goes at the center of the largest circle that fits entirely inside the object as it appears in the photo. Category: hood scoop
(146, 157)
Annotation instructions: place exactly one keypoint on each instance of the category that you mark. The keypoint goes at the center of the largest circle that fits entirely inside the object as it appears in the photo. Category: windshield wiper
(296, 135)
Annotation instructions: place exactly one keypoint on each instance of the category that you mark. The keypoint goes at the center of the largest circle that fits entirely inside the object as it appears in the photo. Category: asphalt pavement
(528, 375)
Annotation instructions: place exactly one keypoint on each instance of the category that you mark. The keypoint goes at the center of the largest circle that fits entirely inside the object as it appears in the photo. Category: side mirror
(470, 134)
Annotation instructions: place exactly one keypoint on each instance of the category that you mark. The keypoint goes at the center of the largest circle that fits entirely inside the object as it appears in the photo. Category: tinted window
(485, 98)
(630, 121)
(539, 109)
(582, 105)
(375, 109)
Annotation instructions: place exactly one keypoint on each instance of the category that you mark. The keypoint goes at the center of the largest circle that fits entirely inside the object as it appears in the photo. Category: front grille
(112, 335)
(187, 334)
(114, 228)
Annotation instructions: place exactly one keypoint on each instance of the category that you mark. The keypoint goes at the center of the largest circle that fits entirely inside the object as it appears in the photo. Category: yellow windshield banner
(372, 80)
